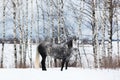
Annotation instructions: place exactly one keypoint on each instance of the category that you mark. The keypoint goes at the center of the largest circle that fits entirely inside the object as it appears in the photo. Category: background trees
(27, 22)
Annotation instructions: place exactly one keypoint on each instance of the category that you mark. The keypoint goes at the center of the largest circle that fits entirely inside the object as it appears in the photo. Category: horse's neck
(47, 43)
(58, 45)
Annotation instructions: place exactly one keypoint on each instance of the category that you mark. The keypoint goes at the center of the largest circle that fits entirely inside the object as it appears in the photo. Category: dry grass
(22, 65)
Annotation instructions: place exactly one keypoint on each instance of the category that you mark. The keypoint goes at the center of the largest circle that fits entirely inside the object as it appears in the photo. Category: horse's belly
(56, 55)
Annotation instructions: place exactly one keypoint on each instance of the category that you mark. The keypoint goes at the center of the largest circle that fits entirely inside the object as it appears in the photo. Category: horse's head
(70, 41)
(69, 44)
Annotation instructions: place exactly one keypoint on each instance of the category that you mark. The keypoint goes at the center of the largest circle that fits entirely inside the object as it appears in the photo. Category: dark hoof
(44, 69)
(61, 69)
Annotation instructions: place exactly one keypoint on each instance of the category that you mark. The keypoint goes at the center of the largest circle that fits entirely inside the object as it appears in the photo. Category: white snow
(10, 73)
(56, 74)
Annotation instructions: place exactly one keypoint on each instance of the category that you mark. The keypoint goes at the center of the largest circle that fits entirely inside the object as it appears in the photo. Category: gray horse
(61, 51)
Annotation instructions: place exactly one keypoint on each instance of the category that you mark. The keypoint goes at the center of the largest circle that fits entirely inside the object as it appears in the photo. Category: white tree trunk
(94, 33)
(80, 33)
(61, 27)
(3, 41)
(48, 27)
(62, 20)
(43, 17)
(21, 33)
(103, 40)
(38, 22)
(26, 36)
(32, 24)
(110, 8)
(58, 3)
(14, 30)
(103, 24)
(52, 20)
(118, 46)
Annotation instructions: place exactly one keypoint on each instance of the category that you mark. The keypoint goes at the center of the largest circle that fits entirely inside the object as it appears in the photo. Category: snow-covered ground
(10, 73)
(56, 74)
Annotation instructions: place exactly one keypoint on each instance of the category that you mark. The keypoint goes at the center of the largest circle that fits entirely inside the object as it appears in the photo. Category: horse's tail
(37, 59)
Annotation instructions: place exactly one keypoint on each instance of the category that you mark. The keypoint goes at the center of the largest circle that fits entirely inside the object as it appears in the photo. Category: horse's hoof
(44, 69)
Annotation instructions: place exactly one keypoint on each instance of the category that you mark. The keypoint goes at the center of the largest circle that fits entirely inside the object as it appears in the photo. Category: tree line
(58, 19)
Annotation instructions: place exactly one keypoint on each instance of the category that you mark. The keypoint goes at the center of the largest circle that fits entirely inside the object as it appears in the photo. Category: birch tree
(62, 20)
(116, 15)
(52, 20)
(103, 24)
(26, 34)
(53, 27)
(3, 41)
(38, 21)
(58, 3)
(43, 17)
(49, 10)
(94, 33)
(61, 28)
(32, 22)
(21, 32)
(118, 46)
(14, 30)
(80, 19)
(23, 35)
(110, 10)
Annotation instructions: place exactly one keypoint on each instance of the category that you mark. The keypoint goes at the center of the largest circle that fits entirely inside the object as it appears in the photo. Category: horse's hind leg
(42, 52)
(43, 63)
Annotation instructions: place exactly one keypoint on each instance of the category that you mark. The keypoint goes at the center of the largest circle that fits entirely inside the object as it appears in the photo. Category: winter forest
(95, 24)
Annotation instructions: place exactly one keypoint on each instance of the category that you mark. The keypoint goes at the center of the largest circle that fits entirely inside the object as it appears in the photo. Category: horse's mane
(49, 43)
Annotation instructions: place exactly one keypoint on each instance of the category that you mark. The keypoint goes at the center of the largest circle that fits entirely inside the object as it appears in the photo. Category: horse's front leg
(63, 62)
(66, 64)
